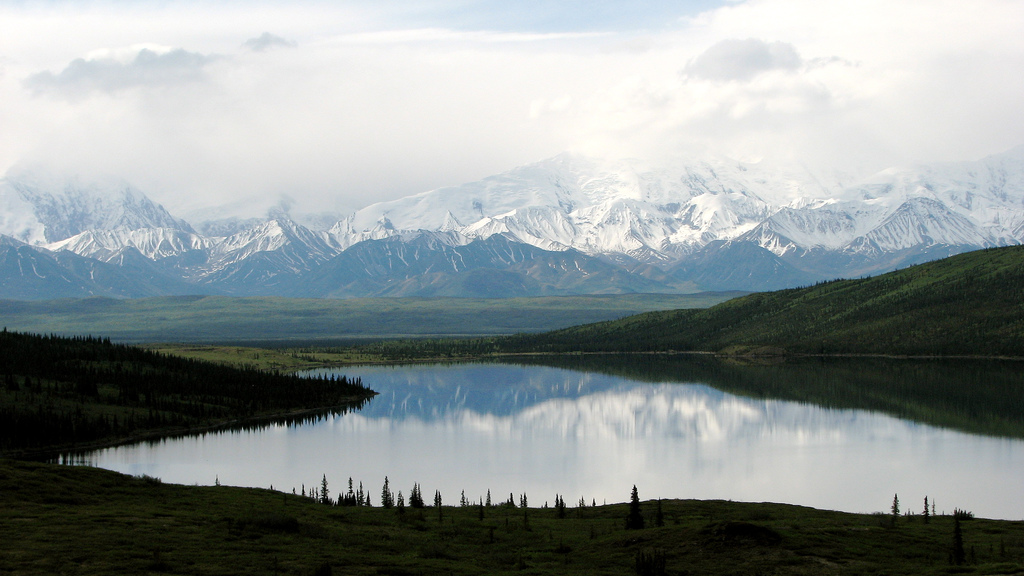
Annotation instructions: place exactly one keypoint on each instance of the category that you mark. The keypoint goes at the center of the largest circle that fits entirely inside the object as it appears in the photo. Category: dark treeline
(60, 391)
(360, 496)
(440, 348)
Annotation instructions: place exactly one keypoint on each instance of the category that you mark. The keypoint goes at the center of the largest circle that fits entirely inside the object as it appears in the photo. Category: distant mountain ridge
(566, 225)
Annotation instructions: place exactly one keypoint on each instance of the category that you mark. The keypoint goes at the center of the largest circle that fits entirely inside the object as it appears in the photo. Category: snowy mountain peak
(624, 206)
(568, 224)
(658, 213)
(40, 207)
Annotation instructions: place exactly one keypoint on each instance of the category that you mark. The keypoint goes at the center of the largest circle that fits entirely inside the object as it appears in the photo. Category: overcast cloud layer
(335, 107)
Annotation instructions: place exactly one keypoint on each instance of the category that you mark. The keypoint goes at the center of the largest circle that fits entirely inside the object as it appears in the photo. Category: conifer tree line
(61, 391)
(388, 499)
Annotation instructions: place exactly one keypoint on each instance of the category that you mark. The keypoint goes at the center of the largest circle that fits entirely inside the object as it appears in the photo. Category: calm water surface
(546, 431)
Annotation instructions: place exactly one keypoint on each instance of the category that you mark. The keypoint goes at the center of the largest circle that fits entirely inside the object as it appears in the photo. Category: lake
(832, 435)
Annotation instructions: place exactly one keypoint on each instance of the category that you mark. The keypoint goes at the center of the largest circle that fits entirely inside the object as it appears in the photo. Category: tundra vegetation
(78, 520)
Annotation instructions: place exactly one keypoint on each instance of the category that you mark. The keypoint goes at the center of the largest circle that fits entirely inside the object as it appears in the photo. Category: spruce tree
(895, 508)
(325, 495)
(927, 514)
(635, 519)
(350, 496)
(387, 499)
(416, 497)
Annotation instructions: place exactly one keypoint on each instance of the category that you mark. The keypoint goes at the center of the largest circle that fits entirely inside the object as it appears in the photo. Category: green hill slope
(969, 304)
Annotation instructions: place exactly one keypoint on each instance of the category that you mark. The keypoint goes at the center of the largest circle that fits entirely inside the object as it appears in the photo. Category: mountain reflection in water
(547, 430)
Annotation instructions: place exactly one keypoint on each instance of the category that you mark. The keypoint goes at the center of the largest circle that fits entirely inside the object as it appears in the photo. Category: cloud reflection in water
(539, 430)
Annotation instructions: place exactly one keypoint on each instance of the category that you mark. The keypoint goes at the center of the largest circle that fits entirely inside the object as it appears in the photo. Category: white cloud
(838, 83)
(267, 41)
(373, 101)
(743, 59)
(110, 71)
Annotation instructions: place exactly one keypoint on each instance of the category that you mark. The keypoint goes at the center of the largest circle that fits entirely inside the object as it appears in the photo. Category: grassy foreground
(73, 520)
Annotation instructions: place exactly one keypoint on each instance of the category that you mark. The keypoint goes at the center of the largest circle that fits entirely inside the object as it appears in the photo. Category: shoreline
(47, 455)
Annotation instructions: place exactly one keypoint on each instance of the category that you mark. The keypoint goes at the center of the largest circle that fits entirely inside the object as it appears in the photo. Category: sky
(331, 106)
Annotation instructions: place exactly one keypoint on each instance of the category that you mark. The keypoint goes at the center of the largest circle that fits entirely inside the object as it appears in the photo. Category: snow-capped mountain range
(565, 225)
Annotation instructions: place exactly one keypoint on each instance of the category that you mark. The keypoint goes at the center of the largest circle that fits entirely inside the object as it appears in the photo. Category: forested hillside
(61, 392)
(970, 304)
